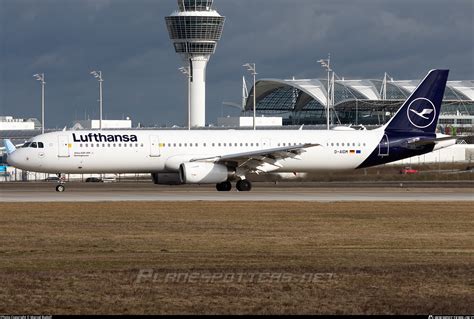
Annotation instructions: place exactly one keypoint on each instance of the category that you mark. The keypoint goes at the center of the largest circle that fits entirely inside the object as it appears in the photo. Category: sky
(128, 41)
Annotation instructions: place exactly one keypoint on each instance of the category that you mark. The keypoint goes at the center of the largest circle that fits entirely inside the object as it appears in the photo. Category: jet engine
(203, 173)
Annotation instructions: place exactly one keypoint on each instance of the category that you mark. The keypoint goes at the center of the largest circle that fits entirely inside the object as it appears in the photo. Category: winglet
(9, 146)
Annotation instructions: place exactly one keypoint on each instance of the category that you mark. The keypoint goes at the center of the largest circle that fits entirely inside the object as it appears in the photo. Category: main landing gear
(242, 185)
(60, 187)
(224, 187)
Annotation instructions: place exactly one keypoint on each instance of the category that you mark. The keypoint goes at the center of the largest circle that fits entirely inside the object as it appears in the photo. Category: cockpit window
(33, 145)
(40, 145)
(27, 144)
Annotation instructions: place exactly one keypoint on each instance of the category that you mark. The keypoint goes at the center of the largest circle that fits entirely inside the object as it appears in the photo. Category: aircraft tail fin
(421, 110)
(10, 148)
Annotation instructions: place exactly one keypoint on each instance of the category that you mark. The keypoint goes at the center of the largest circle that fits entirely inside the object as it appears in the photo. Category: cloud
(129, 42)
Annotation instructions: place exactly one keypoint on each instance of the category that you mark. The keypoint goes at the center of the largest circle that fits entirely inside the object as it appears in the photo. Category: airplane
(223, 157)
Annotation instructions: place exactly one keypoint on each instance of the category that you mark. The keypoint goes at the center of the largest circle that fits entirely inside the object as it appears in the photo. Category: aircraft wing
(261, 161)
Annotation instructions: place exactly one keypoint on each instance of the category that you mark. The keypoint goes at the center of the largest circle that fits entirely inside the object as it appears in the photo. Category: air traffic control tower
(195, 30)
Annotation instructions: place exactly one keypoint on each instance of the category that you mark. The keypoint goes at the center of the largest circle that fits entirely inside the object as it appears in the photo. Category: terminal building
(355, 102)
(9, 123)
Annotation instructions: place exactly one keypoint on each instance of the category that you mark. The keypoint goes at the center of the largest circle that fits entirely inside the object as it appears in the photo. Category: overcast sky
(128, 41)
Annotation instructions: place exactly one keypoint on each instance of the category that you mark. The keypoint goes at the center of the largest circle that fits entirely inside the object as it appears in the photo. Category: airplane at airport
(223, 157)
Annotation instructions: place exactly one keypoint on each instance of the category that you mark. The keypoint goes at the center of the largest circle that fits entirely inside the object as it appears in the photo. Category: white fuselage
(141, 151)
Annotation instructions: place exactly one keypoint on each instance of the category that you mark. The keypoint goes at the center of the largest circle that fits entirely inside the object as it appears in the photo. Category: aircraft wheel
(244, 185)
(224, 187)
(60, 188)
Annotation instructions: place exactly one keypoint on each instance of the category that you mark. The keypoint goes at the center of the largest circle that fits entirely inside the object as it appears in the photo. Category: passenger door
(155, 146)
(384, 147)
(63, 146)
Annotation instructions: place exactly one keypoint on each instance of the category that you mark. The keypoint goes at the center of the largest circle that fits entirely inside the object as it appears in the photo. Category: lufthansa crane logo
(421, 112)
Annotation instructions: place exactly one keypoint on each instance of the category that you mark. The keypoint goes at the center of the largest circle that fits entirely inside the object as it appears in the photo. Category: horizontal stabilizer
(422, 142)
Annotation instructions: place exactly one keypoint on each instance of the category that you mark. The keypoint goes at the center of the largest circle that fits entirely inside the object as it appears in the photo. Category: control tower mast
(195, 30)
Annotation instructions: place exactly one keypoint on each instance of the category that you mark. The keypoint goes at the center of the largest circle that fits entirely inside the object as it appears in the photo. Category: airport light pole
(327, 65)
(40, 77)
(98, 76)
(186, 71)
(253, 70)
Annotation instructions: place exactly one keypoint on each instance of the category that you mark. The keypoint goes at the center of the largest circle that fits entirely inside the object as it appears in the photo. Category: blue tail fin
(10, 148)
(421, 110)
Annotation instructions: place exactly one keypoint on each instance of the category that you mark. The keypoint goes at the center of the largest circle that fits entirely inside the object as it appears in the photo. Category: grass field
(219, 258)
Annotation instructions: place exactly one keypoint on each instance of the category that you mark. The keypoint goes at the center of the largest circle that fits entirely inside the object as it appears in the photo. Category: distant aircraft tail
(420, 112)
(10, 148)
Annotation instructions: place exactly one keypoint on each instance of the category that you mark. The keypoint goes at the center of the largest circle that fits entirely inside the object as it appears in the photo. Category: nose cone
(12, 159)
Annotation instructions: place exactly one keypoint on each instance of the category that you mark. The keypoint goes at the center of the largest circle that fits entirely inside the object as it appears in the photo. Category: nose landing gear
(62, 180)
